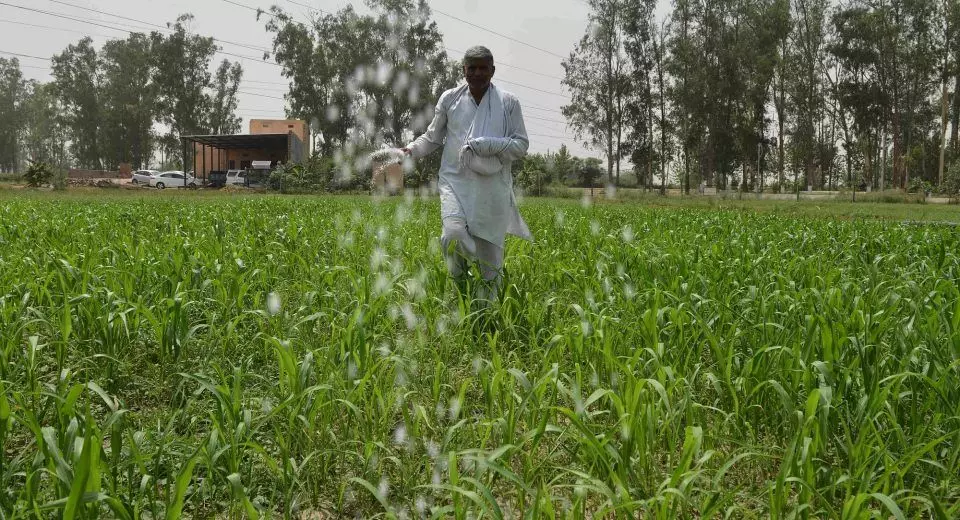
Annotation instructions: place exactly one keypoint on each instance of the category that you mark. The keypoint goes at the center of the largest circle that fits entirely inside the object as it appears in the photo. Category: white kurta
(485, 201)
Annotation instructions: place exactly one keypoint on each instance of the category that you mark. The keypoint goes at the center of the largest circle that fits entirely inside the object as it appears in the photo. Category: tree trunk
(649, 101)
(955, 117)
(663, 121)
(943, 130)
(897, 175)
(883, 164)
(609, 81)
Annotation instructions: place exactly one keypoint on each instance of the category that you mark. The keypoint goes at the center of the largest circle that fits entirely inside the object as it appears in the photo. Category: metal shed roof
(239, 141)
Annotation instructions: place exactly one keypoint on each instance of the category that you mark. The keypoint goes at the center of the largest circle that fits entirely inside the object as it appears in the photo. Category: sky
(533, 37)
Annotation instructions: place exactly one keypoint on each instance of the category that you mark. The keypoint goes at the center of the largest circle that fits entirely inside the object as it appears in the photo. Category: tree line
(746, 94)
(753, 94)
(103, 106)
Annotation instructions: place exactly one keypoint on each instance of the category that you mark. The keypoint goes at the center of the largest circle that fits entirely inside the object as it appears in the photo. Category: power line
(257, 112)
(269, 82)
(544, 119)
(498, 34)
(48, 69)
(259, 95)
(58, 15)
(17, 22)
(161, 27)
(23, 55)
(562, 138)
(305, 6)
(254, 9)
(71, 18)
(536, 125)
(534, 88)
(533, 107)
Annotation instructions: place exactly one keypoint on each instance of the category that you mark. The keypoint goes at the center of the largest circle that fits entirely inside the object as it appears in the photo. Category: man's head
(478, 67)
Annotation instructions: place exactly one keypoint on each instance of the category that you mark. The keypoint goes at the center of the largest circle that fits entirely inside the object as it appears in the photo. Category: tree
(364, 80)
(640, 46)
(687, 94)
(910, 60)
(411, 62)
(589, 172)
(171, 153)
(129, 99)
(952, 67)
(12, 97)
(78, 84)
(892, 57)
(857, 87)
(532, 173)
(44, 134)
(223, 117)
(659, 51)
(804, 85)
(184, 83)
(596, 73)
(564, 165)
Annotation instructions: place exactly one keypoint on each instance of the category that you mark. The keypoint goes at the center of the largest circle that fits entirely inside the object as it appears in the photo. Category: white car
(143, 176)
(173, 179)
(236, 177)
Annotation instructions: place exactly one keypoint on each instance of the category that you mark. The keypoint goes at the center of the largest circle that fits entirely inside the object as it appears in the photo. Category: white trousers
(460, 248)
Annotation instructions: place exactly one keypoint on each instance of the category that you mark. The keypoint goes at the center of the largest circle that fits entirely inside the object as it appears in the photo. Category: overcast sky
(554, 26)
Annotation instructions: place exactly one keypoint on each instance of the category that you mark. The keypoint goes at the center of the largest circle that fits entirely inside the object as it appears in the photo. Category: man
(481, 130)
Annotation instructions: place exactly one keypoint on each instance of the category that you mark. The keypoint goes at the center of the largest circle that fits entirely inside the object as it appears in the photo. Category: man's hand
(406, 151)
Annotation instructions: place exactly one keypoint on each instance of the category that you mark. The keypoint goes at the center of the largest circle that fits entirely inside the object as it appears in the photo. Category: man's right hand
(406, 151)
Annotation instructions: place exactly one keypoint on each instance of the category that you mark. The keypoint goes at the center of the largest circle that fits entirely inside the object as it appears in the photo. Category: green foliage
(918, 185)
(105, 103)
(951, 180)
(223, 118)
(532, 173)
(59, 176)
(128, 96)
(44, 132)
(76, 79)
(280, 357)
(13, 92)
(590, 172)
(184, 83)
(564, 165)
(315, 175)
(38, 174)
(363, 79)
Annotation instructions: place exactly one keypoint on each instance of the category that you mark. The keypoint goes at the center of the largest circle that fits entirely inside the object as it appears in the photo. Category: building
(281, 126)
(277, 141)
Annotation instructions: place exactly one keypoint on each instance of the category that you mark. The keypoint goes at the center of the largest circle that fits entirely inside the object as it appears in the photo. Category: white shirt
(486, 202)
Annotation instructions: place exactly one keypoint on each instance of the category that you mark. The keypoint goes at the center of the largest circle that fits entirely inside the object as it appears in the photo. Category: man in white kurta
(481, 130)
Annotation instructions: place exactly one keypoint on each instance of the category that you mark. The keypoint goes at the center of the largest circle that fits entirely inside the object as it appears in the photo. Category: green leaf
(890, 505)
(81, 473)
(175, 508)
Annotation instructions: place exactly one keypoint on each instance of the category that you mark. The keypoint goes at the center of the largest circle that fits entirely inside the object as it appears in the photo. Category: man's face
(478, 73)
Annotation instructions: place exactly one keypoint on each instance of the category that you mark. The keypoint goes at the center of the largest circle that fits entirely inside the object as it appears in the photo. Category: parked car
(143, 176)
(173, 179)
(236, 177)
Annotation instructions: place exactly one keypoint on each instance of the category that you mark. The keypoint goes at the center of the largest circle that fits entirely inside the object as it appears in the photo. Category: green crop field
(306, 357)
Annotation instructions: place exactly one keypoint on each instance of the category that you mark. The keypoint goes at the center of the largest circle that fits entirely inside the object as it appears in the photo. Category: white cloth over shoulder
(480, 143)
